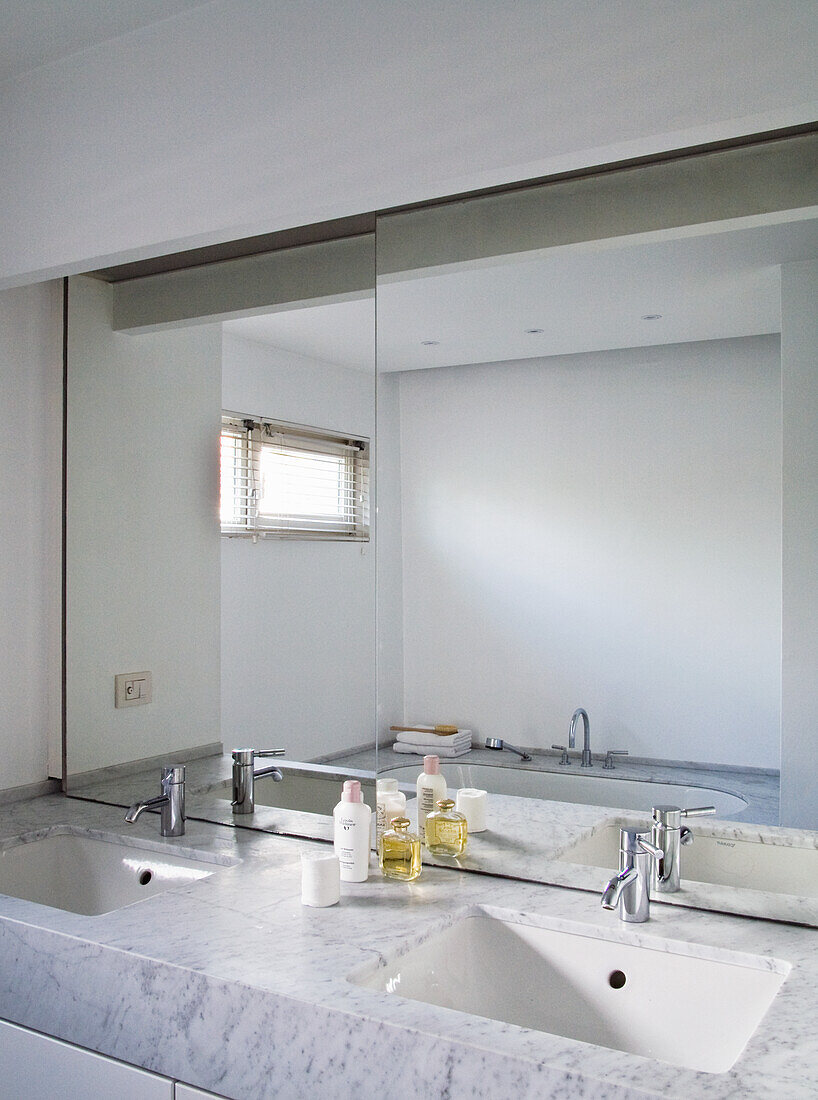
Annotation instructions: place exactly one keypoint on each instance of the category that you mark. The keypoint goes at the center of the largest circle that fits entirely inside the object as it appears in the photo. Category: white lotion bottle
(351, 833)
(431, 789)
(389, 804)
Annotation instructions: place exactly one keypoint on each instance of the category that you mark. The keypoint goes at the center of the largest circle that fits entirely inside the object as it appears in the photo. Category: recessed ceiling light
(534, 331)
(651, 316)
(429, 343)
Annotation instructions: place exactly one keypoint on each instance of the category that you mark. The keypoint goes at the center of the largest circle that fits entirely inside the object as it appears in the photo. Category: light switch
(131, 689)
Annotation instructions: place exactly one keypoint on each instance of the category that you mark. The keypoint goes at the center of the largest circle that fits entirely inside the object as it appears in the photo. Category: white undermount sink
(719, 860)
(693, 1007)
(91, 875)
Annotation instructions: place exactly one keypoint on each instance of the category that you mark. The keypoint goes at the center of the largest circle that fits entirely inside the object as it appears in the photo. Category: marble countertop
(528, 837)
(234, 986)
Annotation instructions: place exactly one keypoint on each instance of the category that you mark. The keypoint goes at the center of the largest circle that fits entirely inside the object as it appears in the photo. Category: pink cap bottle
(431, 765)
(352, 791)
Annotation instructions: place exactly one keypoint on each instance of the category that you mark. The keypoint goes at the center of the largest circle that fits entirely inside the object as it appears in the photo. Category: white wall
(599, 530)
(244, 116)
(799, 384)
(298, 618)
(30, 530)
(143, 535)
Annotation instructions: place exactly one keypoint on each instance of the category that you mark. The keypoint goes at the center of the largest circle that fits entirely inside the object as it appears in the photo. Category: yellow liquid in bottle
(446, 830)
(400, 853)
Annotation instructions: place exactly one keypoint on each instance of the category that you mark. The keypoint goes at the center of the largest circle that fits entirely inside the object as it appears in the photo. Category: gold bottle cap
(401, 822)
(445, 804)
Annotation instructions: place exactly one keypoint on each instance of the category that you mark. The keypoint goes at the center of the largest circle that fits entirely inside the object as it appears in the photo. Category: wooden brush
(441, 731)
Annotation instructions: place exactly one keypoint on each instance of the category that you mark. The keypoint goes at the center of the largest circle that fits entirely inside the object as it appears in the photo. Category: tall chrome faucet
(630, 889)
(587, 761)
(668, 834)
(171, 801)
(244, 777)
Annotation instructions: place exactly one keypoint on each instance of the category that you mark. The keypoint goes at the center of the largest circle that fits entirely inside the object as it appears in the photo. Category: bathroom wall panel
(599, 530)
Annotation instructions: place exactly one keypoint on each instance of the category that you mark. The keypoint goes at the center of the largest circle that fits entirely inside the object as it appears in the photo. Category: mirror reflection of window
(278, 480)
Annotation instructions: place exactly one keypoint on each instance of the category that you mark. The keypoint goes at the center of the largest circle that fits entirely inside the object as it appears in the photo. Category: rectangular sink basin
(89, 875)
(723, 861)
(663, 1002)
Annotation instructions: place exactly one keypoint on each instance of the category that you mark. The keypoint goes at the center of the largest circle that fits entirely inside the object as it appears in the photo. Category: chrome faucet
(668, 834)
(171, 801)
(630, 889)
(497, 743)
(244, 777)
(587, 761)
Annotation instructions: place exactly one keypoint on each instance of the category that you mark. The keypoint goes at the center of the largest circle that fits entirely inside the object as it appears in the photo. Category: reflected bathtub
(589, 790)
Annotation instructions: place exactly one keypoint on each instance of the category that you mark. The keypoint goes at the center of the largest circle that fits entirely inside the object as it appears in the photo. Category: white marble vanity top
(232, 985)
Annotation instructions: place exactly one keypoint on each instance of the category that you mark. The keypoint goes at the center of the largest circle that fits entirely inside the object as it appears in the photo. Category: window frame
(252, 434)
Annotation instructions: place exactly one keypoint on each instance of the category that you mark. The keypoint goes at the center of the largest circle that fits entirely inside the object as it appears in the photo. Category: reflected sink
(675, 1002)
(747, 864)
(89, 875)
(309, 789)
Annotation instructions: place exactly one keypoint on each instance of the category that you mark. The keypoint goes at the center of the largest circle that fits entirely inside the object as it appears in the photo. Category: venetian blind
(286, 481)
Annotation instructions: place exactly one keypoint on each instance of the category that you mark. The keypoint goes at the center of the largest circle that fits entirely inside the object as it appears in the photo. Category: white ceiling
(342, 333)
(34, 32)
(584, 298)
(238, 117)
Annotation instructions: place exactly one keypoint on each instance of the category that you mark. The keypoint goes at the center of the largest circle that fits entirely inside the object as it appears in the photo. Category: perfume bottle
(446, 830)
(399, 854)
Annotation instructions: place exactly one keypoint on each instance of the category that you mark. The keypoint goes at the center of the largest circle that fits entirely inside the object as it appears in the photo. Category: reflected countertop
(234, 986)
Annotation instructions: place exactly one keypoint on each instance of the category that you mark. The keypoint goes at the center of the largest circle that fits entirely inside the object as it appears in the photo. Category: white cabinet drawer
(37, 1067)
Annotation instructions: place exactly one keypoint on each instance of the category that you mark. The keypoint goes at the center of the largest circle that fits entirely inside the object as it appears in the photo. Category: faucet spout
(146, 804)
(613, 891)
(276, 774)
(587, 759)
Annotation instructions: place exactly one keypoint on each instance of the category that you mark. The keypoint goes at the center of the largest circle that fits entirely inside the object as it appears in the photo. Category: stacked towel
(431, 743)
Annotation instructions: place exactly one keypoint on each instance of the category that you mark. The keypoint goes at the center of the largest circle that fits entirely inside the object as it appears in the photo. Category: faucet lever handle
(699, 811)
(564, 759)
(651, 849)
(245, 756)
(610, 754)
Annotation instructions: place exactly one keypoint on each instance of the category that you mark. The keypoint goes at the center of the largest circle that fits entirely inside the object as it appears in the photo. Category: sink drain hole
(616, 979)
(145, 877)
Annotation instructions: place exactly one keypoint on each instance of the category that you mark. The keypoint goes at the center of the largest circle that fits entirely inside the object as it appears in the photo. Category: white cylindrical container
(431, 789)
(389, 804)
(472, 804)
(351, 831)
(320, 879)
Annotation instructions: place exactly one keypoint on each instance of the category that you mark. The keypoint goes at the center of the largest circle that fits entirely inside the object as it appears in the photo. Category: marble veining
(231, 984)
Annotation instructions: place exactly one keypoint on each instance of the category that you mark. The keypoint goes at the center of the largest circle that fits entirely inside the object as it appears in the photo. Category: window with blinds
(286, 481)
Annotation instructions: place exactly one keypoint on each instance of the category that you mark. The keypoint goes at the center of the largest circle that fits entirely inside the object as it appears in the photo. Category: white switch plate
(132, 689)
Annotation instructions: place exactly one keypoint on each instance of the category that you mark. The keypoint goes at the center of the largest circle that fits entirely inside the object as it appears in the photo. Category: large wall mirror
(261, 639)
(577, 428)
(583, 387)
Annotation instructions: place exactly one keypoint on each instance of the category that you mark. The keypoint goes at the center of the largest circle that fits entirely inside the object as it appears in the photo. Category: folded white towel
(423, 750)
(413, 737)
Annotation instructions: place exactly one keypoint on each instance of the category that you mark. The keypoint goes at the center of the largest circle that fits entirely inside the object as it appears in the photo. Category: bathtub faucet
(587, 760)
(496, 743)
